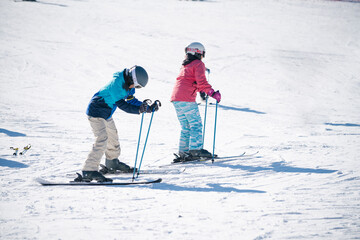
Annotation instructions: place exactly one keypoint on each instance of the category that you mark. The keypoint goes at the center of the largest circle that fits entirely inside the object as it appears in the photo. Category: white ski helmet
(139, 76)
(196, 49)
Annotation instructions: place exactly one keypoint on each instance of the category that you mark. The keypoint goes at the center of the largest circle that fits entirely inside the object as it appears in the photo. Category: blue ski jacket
(104, 103)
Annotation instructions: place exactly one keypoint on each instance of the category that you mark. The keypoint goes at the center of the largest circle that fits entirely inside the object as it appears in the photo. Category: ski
(145, 171)
(44, 182)
(241, 155)
(205, 160)
(104, 170)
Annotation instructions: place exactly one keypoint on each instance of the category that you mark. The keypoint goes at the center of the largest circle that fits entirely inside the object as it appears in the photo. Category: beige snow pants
(106, 141)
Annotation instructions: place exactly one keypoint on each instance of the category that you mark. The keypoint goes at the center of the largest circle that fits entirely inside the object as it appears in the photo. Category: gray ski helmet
(139, 76)
(195, 48)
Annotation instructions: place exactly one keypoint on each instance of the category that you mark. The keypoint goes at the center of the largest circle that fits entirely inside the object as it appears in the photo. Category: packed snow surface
(289, 75)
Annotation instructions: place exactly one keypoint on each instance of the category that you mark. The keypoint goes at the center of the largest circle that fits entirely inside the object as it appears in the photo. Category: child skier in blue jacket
(118, 93)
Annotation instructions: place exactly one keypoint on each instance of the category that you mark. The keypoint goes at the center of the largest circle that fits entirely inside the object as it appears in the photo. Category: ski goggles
(194, 50)
(133, 76)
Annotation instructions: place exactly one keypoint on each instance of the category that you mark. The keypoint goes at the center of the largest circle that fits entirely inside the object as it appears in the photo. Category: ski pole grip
(158, 101)
(155, 106)
(148, 101)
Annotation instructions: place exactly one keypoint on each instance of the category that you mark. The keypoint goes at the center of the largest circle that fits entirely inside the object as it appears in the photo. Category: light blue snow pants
(191, 126)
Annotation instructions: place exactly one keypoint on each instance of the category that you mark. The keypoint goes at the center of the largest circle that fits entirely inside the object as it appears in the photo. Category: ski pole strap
(158, 101)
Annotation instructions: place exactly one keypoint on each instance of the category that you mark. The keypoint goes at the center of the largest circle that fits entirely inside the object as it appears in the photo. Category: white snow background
(289, 75)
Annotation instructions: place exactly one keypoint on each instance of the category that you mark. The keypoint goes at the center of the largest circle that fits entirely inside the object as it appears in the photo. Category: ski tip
(159, 180)
(42, 181)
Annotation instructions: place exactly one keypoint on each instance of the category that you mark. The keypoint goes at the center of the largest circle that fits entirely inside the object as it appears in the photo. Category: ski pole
(147, 136)
(206, 105)
(137, 149)
(26, 148)
(212, 160)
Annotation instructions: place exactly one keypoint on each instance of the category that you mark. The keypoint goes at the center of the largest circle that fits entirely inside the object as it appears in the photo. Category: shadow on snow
(212, 188)
(11, 133)
(278, 167)
(35, 1)
(11, 164)
(238, 109)
(343, 124)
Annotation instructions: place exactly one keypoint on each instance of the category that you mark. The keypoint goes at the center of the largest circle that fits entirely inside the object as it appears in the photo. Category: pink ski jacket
(191, 80)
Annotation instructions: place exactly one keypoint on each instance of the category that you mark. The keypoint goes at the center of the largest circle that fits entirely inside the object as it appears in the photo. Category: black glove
(144, 107)
(155, 106)
(203, 95)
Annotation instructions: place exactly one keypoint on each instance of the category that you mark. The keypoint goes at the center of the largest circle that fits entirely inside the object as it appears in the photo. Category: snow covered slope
(289, 74)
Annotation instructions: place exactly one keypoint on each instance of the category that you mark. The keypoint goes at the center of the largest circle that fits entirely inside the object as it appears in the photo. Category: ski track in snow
(288, 71)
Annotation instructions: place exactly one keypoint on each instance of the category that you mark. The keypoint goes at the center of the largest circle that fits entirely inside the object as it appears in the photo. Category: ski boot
(104, 170)
(182, 157)
(88, 176)
(201, 154)
(115, 165)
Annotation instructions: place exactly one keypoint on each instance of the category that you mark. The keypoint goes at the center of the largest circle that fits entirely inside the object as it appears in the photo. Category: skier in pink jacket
(190, 81)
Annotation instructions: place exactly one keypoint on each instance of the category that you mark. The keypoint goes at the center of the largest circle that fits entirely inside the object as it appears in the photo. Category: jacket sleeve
(202, 83)
(133, 100)
(128, 107)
